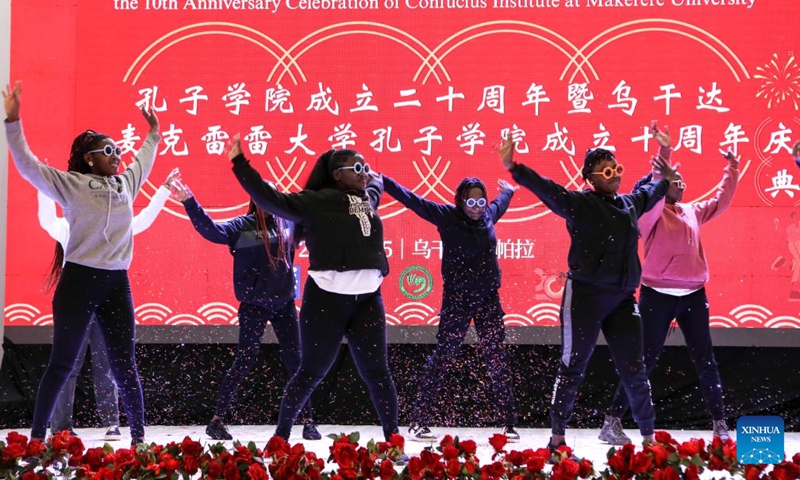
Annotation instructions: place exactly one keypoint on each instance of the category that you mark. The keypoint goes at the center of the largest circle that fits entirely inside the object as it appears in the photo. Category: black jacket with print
(342, 229)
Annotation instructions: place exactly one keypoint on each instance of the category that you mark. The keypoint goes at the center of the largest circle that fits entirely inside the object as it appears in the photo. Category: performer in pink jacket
(674, 273)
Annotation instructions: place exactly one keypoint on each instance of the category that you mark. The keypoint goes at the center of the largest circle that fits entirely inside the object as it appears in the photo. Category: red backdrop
(424, 89)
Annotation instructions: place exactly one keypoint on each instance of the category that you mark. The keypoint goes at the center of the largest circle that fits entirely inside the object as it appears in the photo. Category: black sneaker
(310, 431)
(217, 430)
(136, 441)
(511, 433)
(421, 433)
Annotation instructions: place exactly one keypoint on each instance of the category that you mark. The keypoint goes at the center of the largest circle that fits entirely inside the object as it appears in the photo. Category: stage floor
(584, 442)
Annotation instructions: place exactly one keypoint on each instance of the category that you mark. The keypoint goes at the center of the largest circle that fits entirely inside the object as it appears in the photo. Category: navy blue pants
(105, 390)
(325, 319)
(587, 309)
(458, 310)
(252, 323)
(84, 292)
(691, 311)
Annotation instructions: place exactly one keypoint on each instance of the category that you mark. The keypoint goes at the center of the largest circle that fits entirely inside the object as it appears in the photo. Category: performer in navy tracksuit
(604, 272)
(342, 296)
(263, 251)
(471, 276)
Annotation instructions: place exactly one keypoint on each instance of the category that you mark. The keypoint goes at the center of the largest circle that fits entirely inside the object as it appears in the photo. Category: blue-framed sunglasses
(475, 202)
(358, 168)
(108, 150)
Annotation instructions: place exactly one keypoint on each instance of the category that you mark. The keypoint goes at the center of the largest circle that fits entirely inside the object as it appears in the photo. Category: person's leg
(105, 390)
(287, 331)
(582, 313)
(74, 302)
(454, 319)
(62, 412)
(323, 317)
(366, 338)
(623, 331)
(491, 332)
(117, 322)
(694, 323)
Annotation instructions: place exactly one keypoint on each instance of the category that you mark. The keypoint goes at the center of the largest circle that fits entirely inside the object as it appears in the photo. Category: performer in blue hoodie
(262, 246)
(471, 276)
(98, 205)
(604, 272)
(342, 295)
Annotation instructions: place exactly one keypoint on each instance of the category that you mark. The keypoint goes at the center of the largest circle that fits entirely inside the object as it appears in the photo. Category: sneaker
(70, 430)
(421, 433)
(721, 430)
(400, 461)
(217, 430)
(310, 431)
(113, 433)
(612, 433)
(553, 448)
(511, 433)
(136, 441)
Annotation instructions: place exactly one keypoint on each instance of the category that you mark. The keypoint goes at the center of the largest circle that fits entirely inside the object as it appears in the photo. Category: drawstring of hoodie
(108, 212)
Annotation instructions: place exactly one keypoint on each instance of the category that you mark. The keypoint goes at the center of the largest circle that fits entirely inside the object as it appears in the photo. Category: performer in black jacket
(262, 246)
(342, 296)
(604, 272)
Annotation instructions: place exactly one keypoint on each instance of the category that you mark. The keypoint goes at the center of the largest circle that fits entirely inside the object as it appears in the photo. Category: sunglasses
(610, 172)
(108, 150)
(475, 202)
(680, 184)
(358, 168)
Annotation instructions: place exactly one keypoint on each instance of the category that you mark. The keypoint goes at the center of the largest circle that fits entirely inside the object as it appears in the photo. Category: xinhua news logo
(759, 439)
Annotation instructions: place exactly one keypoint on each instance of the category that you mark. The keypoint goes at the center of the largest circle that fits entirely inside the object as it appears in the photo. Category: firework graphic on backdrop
(780, 81)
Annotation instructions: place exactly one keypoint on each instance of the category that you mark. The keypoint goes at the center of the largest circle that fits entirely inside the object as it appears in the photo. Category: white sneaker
(421, 433)
(721, 430)
(612, 432)
(113, 433)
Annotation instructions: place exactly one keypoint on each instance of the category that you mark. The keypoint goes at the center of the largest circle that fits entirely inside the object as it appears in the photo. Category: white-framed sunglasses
(475, 202)
(680, 184)
(108, 150)
(358, 168)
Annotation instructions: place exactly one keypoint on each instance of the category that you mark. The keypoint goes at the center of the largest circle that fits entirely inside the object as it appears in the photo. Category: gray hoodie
(99, 209)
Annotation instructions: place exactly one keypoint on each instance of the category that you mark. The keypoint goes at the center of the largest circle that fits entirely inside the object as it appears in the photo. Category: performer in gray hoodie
(98, 205)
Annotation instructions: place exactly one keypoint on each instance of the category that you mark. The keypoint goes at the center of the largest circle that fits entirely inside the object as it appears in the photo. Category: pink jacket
(673, 252)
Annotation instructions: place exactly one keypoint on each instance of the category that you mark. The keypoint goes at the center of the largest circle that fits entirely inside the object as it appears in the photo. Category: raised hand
(180, 192)
(506, 151)
(731, 158)
(661, 136)
(234, 147)
(174, 176)
(663, 168)
(11, 100)
(502, 185)
(152, 119)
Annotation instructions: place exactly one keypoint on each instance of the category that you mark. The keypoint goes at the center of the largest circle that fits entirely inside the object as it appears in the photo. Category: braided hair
(83, 143)
(262, 219)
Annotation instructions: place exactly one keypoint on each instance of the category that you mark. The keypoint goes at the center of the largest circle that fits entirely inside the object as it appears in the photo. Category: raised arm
(375, 190)
(55, 226)
(712, 208)
(651, 193)
(426, 209)
(205, 226)
(500, 204)
(138, 171)
(148, 215)
(291, 206)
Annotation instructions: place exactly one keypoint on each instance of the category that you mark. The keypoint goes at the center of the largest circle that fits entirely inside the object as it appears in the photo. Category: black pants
(691, 311)
(587, 309)
(325, 319)
(81, 293)
(458, 310)
(252, 323)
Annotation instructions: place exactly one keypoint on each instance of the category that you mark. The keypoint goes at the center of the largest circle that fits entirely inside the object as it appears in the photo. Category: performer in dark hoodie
(471, 276)
(98, 205)
(342, 295)
(262, 246)
(604, 272)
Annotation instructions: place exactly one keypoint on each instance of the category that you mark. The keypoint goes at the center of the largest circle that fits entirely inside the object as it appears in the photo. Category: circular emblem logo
(416, 282)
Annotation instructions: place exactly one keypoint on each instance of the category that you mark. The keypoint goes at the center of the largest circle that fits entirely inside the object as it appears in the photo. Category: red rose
(468, 446)
(498, 441)
(446, 440)
(60, 440)
(231, 471)
(753, 472)
(494, 470)
(785, 471)
(35, 448)
(471, 467)
(718, 463)
(567, 468)
(450, 452)
(31, 475)
(343, 454)
(453, 468)
(14, 437)
(397, 440)
(315, 473)
(515, 458)
(663, 437)
(12, 451)
(585, 468)
(214, 469)
(94, 458)
(122, 456)
(386, 471)
(691, 472)
(692, 447)
(796, 458)
(256, 472)
(641, 463)
(74, 446)
(668, 473)
(191, 447)
(729, 450)
(348, 473)
(190, 464)
(275, 445)
(535, 464)
(415, 467)
(429, 458)
(618, 464)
